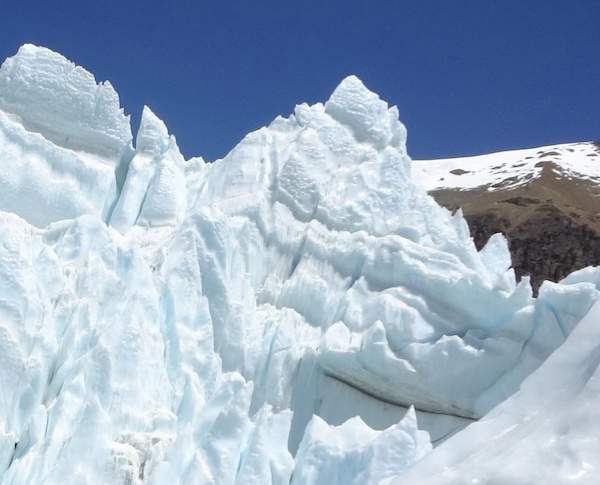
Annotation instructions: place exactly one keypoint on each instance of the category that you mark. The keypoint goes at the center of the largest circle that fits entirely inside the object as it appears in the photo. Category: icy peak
(354, 454)
(62, 101)
(370, 118)
(153, 136)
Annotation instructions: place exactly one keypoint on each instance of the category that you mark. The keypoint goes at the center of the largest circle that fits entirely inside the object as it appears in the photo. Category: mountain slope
(544, 200)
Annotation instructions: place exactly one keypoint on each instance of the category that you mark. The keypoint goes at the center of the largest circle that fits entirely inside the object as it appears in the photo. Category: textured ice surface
(353, 453)
(154, 190)
(299, 310)
(63, 139)
(546, 433)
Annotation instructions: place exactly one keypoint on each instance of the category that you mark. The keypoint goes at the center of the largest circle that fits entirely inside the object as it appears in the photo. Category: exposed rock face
(547, 246)
(549, 213)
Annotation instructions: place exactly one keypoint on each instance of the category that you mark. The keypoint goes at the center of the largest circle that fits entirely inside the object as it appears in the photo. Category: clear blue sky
(468, 76)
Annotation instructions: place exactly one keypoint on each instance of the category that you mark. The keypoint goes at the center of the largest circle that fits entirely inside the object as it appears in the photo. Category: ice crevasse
(300, 311)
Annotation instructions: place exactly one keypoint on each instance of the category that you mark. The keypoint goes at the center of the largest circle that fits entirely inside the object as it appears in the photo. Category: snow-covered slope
(300, 311)
(509, 169)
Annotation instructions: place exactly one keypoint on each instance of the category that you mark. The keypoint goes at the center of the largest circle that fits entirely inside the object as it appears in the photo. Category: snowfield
(300, 312)
(510, 169)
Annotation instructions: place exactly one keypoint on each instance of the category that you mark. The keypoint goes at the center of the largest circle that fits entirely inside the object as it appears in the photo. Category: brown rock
(552, 222)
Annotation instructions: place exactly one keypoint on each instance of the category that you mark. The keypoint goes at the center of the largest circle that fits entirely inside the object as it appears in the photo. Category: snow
(509, 169)
(300, 310)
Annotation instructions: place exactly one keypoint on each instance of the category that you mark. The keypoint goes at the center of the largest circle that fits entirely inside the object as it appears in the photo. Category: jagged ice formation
(300, 311)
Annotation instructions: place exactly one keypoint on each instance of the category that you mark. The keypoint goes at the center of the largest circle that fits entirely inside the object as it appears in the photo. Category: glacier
(300, 311)
(546, 433)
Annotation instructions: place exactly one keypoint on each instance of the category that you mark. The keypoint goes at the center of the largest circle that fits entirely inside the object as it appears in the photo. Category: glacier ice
(300, 311)
(546, 433)
(353, 453)
(154, 189)
(62, 139)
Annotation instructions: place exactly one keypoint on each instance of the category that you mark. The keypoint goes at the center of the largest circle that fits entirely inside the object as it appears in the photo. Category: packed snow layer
(300, 310)
(64, 140)
(52, 96)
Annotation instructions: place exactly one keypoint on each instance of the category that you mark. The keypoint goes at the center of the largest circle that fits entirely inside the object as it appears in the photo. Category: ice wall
(546, 433)
(64, 140)
(266, 318)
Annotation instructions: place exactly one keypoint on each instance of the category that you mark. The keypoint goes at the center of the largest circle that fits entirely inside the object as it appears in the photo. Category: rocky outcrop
(547, 246)
(552, 222)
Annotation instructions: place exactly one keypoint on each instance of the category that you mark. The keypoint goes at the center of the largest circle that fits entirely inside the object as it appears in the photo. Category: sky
(468, 77)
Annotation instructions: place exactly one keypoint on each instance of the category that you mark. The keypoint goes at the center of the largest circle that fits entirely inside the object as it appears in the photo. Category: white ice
(299, 310)
(546, 433)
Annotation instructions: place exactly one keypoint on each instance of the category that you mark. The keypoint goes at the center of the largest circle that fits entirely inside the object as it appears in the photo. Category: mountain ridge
(545, 201)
